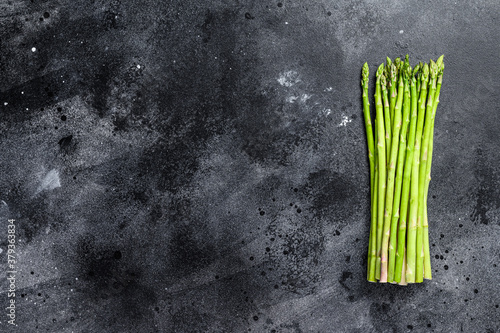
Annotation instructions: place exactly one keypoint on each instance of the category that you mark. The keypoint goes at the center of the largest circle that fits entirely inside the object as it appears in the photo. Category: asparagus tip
(406, 68)
(433, 69)
(425, 72)
(365, 73)
(439, 61)
(407, 72)
(380, 70)
(393, 73)
(397, 62)
(389, 62)
(416, 69)
(383, 81)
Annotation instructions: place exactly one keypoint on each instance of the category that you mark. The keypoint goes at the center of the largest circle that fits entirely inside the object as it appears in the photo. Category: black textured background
(200, 166)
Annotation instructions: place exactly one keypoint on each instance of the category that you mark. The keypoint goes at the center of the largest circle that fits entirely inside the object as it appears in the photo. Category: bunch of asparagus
(400, 156)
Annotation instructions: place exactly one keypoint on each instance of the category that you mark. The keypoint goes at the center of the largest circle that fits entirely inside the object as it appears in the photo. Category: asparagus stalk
(427, 259)
(387, 116)
(368, 124)
(393, 92)
(406, 72)
(381, 165)
(401, 252)
(411, 246)
(391, 170)
(369, 138)
(422, 171)
(402, 276)
(419, 77)
(372, 271)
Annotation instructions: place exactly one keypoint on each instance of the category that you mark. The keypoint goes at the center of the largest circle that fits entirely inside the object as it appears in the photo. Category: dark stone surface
(181, 166)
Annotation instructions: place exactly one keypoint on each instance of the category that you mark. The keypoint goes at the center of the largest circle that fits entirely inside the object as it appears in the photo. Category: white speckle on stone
(33, 49)
(345, 120)
(138, 66)
(286, 22)
(401, 31)
(304, 97)
(5, 103)
(329, 89)
(288, 78)
(291, 99)
(50, 181)
(22, 92)
(327, 112)
(1, 250)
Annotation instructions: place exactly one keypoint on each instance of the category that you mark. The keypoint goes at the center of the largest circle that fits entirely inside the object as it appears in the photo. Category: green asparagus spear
(387, 119)
(419, 77)
(411, 246)
(371, 158)
(427, 259)
(391, 170)
(381, 164)
(393, 91)
(368, 124)
(401, 251)
(372, 269)
(397, 63)
(422, 172)
(406, 72)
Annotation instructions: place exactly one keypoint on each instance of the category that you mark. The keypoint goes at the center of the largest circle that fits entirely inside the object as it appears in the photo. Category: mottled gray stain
(180, 166)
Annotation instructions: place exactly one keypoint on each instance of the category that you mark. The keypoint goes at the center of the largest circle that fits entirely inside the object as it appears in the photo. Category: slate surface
(181, 166)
